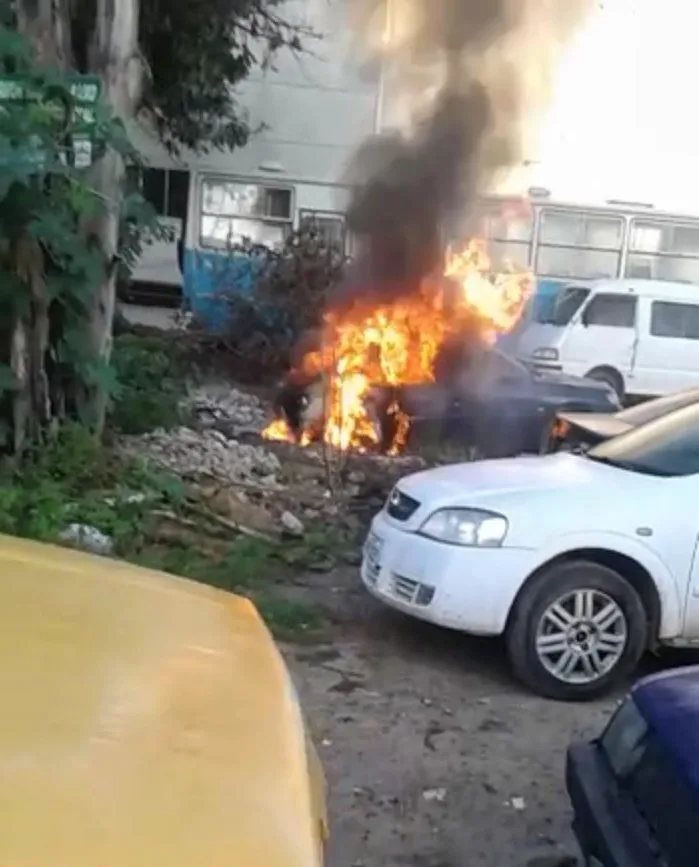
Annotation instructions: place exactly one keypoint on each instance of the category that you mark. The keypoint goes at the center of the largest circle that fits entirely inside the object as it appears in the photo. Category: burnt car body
(499, 406)
(583, 430)
(489, 401)
(635, 789)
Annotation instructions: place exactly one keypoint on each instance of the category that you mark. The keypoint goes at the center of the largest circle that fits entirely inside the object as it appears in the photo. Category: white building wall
(316, 107)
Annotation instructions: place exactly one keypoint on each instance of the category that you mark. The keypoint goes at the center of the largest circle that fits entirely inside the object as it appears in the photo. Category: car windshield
(665, 446)
(651, 409)
(566, 306)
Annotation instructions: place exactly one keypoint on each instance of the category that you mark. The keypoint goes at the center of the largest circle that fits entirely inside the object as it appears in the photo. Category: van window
(565, 305)
(668, 319)
(615, 311)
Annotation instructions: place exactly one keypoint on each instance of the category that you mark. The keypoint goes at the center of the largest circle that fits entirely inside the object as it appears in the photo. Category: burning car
(385, 369)
(494, 404)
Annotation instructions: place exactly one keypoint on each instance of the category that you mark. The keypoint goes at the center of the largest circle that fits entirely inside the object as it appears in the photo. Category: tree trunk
(47, 25)
(114, 56)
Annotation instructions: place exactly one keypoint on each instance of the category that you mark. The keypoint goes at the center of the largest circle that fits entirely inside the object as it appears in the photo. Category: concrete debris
(88, 539)
(439, 795)
(291, 524)
(193, 453)
(226, 409)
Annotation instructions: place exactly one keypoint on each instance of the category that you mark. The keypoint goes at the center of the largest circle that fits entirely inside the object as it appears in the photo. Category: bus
(562, 243)
(207, 213)
(559, 242)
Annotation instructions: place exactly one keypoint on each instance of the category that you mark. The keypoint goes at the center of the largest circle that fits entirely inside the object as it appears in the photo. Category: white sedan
(582, 562)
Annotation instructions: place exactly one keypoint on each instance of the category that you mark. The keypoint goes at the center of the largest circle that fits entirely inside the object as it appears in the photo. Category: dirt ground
(435, 757)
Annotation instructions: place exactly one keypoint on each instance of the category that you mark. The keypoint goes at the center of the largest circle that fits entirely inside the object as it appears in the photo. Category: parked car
(635, 789)
(147, 720)
(581, 430)
(581, 561)
(639, 336)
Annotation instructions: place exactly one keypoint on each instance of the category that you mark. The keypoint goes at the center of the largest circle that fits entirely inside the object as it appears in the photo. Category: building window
(234, 213)
(167, 190)
(509, 237)
(579, 246)
(661, 250)
(668, 319)
(613, 311)
(330, 226)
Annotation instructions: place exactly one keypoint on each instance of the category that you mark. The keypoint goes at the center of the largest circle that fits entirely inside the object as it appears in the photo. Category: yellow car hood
(146, 722)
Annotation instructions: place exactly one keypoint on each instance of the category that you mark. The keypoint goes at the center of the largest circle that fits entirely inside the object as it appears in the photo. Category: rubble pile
(208, 452)
(259, 487)
(226, 409)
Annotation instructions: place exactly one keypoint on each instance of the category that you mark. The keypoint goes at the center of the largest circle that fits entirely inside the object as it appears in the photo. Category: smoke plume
(468, 78)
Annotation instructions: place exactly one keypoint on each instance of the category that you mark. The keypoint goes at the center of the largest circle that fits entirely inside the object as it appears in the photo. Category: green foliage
(197, 53)
(52, 263)
(246, 567)
(151, 383)
(75, 480)
(72, 479)
(292, 289)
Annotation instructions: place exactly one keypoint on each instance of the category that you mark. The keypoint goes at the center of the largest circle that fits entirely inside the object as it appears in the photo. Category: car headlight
(472, 527)
(546, 353)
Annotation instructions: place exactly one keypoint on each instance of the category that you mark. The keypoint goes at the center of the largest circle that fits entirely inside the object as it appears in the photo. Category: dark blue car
(635, 789)
(498, 405)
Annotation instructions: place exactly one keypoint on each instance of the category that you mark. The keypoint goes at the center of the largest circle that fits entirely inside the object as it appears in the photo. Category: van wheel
(612, 377)
(576, 631)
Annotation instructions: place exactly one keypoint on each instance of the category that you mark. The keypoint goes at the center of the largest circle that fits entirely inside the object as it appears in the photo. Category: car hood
(148, 720)
(598, 393)
(604, 426)
(536, 335)
(555, 377)
(479, 482)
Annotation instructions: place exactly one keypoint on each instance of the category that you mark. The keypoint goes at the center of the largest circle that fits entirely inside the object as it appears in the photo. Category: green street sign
(85, 92)
(74, 97)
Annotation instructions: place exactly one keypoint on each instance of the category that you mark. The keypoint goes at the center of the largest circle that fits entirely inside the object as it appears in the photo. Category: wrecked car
(493, 404)
(635, 788)
(582, 430)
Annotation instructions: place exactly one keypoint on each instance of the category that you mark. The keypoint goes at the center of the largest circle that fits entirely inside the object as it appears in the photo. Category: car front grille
(412, 591)
(400, 506)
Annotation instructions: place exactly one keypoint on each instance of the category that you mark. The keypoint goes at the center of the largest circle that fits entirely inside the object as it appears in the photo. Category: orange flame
(396, 344)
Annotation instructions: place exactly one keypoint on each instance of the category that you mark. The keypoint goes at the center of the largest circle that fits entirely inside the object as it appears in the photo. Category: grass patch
(152, 373)
(74, 480)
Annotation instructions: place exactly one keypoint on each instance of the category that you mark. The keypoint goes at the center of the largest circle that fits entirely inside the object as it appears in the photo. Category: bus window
(509, 237)
(232, 213)
(330, 226)
(579, 245)
(663, 250)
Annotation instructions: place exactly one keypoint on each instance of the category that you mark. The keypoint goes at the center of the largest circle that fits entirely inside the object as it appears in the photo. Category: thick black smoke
(474, 74)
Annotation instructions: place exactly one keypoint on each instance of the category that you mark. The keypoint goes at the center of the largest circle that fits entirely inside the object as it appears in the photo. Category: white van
(640, 336)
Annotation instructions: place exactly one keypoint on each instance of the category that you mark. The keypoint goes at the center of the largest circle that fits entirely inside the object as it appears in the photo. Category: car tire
(538, 630)
(611, 377)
